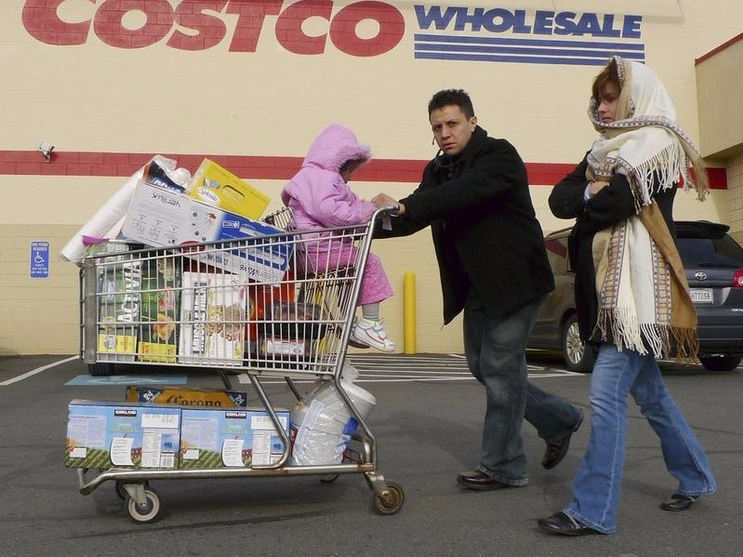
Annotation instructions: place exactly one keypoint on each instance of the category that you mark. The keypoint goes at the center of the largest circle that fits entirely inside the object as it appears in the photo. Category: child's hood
(334, 146)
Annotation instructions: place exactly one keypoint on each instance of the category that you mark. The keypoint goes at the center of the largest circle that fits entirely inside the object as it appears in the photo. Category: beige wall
(272, 102)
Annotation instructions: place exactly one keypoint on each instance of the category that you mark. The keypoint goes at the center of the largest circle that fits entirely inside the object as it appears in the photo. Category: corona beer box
(216, 186)
(213, 438)
(213, 314)
(123, 435)
(186, 397)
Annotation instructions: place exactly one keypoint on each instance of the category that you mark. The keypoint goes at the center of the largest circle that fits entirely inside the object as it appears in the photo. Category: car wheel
(720, 363)
(578, 357)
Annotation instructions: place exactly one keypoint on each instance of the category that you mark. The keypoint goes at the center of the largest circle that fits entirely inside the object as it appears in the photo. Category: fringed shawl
(644, 302)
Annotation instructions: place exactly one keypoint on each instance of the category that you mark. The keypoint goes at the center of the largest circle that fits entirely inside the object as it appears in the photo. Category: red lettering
(40, 19)
(251, 14)
(194, 29)
(343, 29)
(289, 26)
(210, 30)
(108, 22)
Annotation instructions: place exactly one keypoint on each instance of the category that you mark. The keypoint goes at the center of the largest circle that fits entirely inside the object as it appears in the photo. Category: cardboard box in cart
(213, 316)
(186, 396)
(159, 309)
(118, 285)
(263, 260)
(212, 438)
(213, 185)
(162, 217)
(107, 434)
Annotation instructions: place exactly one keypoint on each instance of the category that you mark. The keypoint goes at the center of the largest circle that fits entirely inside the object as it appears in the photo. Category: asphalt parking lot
(427, 423)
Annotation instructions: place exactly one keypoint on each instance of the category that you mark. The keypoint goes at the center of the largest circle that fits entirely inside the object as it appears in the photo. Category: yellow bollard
(409, 312)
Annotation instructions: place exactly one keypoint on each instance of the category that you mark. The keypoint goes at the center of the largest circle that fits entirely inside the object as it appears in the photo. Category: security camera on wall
(46, 148)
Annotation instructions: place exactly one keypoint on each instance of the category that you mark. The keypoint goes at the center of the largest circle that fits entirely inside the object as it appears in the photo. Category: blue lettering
(631, 27)
(475, 20)
(543, 22)
(504, 22)
(519, 22)
(435, 17)
(564, 23)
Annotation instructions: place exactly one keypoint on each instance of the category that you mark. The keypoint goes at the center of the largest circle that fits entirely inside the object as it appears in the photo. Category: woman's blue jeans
(596, 487)
(495, 350)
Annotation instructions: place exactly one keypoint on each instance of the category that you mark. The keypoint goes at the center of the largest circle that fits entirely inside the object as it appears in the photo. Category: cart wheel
(121, 491)
(392, 503)
(144, 514)
(100, 369)
(330, 478)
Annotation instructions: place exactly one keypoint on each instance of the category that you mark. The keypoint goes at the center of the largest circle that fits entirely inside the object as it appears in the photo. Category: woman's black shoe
(678, 502)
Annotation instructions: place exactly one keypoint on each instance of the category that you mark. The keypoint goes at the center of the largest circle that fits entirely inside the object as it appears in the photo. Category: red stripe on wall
(65, 163)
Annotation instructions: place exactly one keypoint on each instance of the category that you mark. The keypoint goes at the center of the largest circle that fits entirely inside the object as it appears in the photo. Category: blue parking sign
(39, 259)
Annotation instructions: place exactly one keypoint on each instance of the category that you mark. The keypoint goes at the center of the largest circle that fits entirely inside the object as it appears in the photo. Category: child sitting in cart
(320, 197)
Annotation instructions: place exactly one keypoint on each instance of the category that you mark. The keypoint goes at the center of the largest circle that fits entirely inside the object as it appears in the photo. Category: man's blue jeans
(495, 351)
(597, 485)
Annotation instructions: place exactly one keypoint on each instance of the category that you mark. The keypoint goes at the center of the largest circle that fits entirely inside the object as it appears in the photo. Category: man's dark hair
(449, 97)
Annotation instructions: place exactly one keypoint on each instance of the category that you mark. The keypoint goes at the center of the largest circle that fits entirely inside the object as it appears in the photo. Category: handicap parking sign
(39, 259)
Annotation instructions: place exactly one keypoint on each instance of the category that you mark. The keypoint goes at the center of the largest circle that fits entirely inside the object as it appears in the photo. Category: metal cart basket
(276, 303)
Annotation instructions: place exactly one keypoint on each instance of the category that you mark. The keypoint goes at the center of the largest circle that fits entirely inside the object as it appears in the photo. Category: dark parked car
(714, 269)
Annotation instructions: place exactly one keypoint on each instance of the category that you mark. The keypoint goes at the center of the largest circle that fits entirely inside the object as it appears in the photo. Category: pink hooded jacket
(317, 194)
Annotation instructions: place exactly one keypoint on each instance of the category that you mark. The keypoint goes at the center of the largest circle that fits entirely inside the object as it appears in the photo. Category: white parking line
(35, 371)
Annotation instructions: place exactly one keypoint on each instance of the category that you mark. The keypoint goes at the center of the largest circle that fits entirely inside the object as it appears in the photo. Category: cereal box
(159, 309)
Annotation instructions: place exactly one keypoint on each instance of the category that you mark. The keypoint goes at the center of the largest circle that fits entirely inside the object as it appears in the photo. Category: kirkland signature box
(214, 438)
(119, 434)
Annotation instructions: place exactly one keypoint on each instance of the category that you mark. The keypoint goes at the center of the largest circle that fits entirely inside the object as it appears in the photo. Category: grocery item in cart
(213, 315)
(118, 296)
(160, 308)
(219, 438)
(107, 221)
(119, 434)
(218, 187)
(322, 424)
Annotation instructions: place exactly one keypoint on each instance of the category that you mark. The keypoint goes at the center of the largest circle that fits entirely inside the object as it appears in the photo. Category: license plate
(701, 295)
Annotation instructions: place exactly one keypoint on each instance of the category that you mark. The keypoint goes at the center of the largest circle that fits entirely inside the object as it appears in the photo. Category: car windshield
(708, 252)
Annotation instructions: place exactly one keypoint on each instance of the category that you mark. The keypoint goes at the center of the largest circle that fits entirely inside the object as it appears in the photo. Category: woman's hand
(595, 187)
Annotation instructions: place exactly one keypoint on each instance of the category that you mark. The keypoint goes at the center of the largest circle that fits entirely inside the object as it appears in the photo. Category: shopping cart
(279, 304)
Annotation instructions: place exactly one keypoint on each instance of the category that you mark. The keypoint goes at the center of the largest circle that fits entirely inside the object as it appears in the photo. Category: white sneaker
(372, 333)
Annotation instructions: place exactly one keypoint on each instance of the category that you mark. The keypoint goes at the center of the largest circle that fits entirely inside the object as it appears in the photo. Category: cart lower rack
(276, 305)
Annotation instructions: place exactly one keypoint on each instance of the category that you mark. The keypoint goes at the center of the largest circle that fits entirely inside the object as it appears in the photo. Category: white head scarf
(644, 142)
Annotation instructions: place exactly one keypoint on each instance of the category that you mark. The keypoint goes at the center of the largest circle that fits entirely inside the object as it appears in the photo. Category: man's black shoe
(479, 481)
(562, 524)
(556, 450)
(678, 502)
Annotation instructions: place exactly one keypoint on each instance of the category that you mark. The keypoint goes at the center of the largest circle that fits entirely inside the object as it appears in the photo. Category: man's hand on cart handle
(384, 201)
